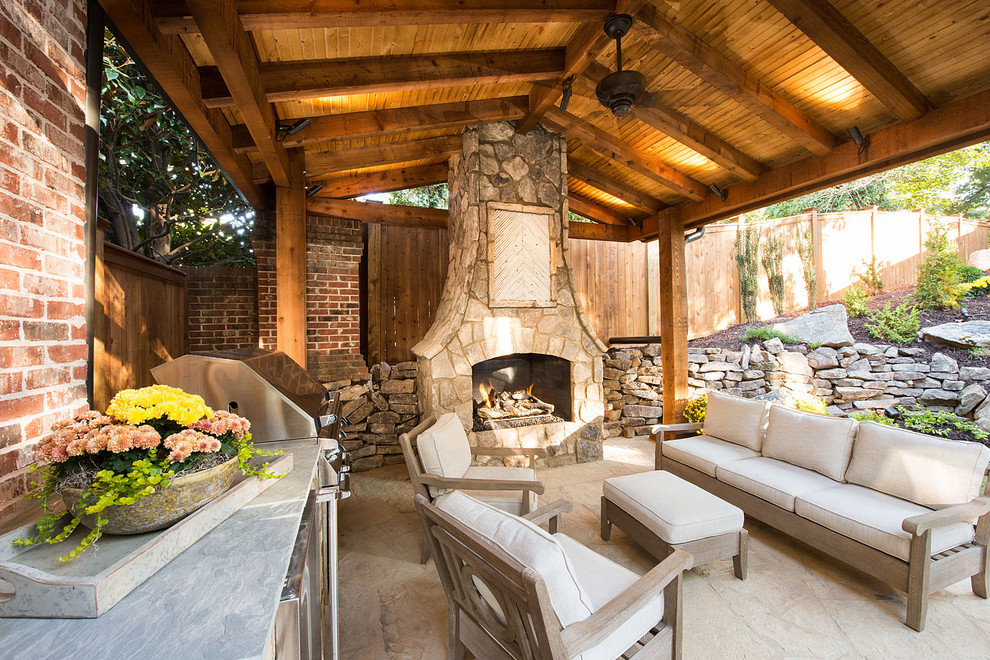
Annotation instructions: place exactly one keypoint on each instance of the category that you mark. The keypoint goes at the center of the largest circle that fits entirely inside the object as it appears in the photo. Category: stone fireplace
(508, 318)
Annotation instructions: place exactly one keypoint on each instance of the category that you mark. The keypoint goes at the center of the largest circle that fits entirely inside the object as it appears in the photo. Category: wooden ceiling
(752, 97)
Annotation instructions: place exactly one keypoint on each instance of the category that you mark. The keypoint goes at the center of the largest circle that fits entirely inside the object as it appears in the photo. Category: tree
(431, 197)
(162, 192)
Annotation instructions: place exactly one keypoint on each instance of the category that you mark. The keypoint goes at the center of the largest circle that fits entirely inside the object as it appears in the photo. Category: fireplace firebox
(521, 389)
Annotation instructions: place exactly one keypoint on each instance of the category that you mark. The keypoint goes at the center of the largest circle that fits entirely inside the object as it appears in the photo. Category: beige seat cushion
(444, 450)
(602, 579)
(528, 544)
(817, 442)
(874, 519)
(775, 481)
(916, 467)
(736, 420)
(675, 510)
(704, 453)
(506, 500)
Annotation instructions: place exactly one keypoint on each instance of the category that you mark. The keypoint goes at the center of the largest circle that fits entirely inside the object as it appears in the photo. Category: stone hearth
(509, 289)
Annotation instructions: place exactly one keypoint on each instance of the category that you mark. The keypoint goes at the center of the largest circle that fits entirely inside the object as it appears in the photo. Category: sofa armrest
(685, 428)
(959, 513)
(481, 484)
(550, 514)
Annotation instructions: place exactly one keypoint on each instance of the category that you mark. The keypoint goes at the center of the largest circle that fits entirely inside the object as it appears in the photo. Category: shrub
(765, 332)
(873, 416)
(898, 325)
(969, 273)
(855, 301)
(811, 405)
(936, 422)
(974, 288)
(773, 264)
(748, 265)
(870, 277)
(939, 275)
(806, 250)
(696, 408)
(979, 351)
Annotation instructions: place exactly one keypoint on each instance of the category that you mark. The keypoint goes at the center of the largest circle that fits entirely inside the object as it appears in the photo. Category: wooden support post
(816, 245)
(673, 319)
(290, 264)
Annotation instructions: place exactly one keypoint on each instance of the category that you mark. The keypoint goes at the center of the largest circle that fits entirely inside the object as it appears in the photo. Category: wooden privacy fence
(143, 320)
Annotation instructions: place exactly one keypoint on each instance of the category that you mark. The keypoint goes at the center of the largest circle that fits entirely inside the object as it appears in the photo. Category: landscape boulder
(980, 259)
(964, 335)
(826, 326)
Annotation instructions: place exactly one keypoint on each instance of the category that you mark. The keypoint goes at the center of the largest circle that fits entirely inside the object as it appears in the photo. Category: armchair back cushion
(736, 420)
(919, 468)
(530, 546)
(443, 448)
(809, 440)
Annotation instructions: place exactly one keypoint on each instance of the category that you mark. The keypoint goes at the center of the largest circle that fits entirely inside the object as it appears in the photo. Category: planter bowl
(165, 506)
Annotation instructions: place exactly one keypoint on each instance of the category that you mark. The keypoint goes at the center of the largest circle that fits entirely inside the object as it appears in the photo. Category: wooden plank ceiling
(748, 101)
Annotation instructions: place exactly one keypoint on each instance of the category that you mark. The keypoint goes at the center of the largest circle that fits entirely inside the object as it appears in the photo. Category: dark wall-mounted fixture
(861, 141)
(721, 194)
(619, 90)
(312, 190)
(286, 128)
(566, 92)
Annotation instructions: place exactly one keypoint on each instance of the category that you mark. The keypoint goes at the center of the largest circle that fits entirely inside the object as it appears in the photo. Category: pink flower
(188, 441)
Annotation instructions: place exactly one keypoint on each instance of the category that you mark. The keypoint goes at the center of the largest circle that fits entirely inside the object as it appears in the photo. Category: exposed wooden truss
(353, 184)
(607, 184)
(589, 209)
(329, 162)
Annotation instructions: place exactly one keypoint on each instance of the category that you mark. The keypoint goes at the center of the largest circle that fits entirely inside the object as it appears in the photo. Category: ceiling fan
(619, 90)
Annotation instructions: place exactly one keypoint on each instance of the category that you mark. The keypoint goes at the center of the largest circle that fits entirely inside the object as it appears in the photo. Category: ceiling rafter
(604, 143)
(595, 211)
(307, 79)
(320, 164)
(354, 184)
(843, 42)
(237, 62)
(174, 18)
(694, 54)
(613, 187)
(394, 121)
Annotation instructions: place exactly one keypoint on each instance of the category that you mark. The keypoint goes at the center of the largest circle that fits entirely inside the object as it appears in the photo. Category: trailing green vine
(806, 250)
(748, 265)
(773, 264)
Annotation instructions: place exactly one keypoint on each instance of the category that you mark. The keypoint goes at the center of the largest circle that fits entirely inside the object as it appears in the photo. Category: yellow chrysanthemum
(158, 402)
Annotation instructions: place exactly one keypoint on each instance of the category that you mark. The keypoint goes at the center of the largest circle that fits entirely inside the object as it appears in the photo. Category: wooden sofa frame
(422, 480)
(923, 575)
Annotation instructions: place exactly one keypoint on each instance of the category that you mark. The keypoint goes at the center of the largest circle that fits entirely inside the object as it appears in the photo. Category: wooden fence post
(376, 329)
(652, 288)
(673, 319)
(821, 289)
(290, 264)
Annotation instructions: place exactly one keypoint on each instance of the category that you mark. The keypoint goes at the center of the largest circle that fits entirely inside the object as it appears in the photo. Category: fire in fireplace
(521, 390)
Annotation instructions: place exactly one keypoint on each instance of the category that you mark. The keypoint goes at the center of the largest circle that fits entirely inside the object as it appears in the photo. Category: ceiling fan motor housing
(618, 91)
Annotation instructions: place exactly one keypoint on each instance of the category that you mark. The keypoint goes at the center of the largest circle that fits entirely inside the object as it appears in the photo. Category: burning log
(520, 403)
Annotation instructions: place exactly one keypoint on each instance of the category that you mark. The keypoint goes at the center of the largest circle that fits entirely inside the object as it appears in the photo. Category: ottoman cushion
(675, 510)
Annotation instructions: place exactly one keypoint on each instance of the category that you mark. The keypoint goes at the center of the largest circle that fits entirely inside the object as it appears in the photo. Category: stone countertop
(216, 600)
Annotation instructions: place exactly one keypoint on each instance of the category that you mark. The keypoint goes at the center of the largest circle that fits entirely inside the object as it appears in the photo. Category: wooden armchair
(507, 599)
(514, 490)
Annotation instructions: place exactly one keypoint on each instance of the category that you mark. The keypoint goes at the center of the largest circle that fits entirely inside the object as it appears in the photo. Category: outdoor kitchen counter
(216, 600)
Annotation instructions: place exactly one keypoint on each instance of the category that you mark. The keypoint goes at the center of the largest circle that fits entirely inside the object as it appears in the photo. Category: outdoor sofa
(895, 504)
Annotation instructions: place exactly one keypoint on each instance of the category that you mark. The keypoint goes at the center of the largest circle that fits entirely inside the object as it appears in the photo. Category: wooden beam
(953, 126)
(354, 184)
(836, 35)
(594, 211)
(169, 63)
(394, 121)
(583, 49)
(290, 264)
(308, 15)
(233, 52)
(673, 320)
(328, 162)
(714, 68)
(379, 214)
(592, 231)
(294, 81)
(604, 143)
(607, 184)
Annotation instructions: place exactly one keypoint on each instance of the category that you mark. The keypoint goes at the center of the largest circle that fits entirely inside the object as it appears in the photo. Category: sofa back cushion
(530, 546)
(736, 420)
(810, 440)
(917, 467)
(443, 448)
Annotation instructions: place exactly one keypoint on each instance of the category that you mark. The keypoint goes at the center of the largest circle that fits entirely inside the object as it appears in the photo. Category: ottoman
(663, 512)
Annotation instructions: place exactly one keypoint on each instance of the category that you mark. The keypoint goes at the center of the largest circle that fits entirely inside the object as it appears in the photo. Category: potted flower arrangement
(155, 456)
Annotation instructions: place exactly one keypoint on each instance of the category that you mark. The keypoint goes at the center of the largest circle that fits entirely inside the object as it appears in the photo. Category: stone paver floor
(796, 603)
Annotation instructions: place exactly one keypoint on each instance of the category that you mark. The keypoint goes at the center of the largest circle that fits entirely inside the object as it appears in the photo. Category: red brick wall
(223, 308)
(42, 215)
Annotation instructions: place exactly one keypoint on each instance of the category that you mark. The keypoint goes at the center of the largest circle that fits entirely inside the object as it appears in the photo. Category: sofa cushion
(704, 453)
(775, 481)
(917, 467)
(817, 442)
(443, 448)
(674, 509)
(506, 500)
(528, 544)
(602, 579)
(874, 519)
(736, 420)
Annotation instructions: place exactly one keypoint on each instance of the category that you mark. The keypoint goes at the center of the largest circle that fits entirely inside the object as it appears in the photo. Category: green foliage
(696, 408)
(855, 300)
(773, 264)
(811, 405)
(936, 422)
(765, 332)
(862, 193)
(969, 273)
(973, 289)
(870, 277)
(748, 265)
(898, 325)
(806, 249)
(979, 351)
(161, 191)
(873, 416)
(939, 274)
(814, 345)
(431, 197)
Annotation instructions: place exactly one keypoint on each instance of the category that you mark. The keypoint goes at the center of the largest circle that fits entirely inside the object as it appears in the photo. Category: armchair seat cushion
(507, 500)
(874, 519)
(705, 453)
(602, 579)
(775, 481)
